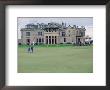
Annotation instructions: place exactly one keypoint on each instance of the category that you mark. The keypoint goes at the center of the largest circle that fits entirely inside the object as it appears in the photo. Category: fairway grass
(68, 59)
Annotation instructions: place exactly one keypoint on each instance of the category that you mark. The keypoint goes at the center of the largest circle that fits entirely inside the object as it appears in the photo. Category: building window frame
(27, 33)
(40, 40)
(40, 34)
(64, 39)
(63, 34)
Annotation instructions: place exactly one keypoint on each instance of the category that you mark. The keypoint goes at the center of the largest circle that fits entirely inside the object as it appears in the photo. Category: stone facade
(52, 33)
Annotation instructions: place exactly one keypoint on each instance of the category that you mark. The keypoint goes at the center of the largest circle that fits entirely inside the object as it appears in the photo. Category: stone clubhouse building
(52, 33)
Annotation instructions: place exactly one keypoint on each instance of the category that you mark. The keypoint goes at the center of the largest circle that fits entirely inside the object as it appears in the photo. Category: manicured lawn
(56, 59)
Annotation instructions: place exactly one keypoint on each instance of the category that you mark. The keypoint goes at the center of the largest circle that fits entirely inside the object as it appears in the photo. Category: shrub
(68, 43)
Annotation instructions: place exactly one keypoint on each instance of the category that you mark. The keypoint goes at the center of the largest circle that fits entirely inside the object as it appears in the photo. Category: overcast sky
(87, 22)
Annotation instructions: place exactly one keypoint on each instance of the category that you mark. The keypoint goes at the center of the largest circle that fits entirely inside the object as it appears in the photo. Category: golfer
(32, 47)
(29, 49)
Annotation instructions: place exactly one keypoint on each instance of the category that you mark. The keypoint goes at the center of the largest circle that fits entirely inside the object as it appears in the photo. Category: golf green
(62, 59)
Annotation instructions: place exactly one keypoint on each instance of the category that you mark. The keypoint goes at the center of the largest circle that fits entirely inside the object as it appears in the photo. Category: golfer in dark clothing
(29, 49)
(32, 49)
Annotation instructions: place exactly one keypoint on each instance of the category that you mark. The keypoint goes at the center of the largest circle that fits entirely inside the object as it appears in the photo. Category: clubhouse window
(64, 39)
(39, 40)
(39, 33)
(27, 33)
(82, 34)
(63, 33)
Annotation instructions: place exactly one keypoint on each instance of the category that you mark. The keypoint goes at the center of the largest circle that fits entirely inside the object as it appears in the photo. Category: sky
(79, 21)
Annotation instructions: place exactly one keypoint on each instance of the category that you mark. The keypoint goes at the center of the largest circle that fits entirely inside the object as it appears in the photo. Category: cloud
(89, 31)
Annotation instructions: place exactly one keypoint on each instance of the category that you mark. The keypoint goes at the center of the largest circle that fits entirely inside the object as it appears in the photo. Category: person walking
(29, 49)
(32, 47)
